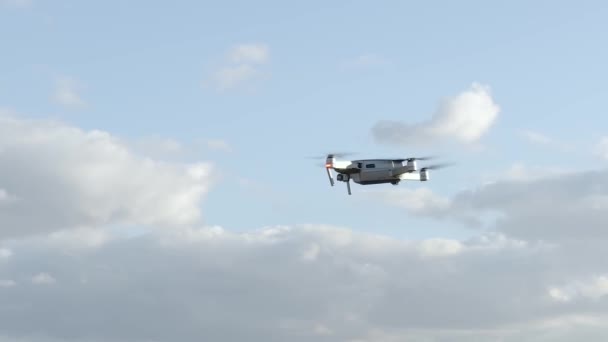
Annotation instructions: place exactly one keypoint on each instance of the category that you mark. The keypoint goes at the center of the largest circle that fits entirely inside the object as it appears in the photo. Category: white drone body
(375, 171)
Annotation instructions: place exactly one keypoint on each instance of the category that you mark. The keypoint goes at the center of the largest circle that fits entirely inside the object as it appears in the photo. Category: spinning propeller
(420, 158)
(328, 164)
(436, 166)
(335, 155)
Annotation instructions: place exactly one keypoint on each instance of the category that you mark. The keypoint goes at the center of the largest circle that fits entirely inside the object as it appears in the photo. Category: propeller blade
(334, 154)
(420, 158)
(437, 166)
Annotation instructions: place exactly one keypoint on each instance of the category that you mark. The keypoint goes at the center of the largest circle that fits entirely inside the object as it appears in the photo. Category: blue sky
(143, 69)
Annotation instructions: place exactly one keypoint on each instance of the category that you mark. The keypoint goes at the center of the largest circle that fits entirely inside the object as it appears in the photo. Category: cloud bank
(464, 118)
(300, 283)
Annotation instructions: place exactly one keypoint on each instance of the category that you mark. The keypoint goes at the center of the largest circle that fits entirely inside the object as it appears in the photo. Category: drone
(377, 171)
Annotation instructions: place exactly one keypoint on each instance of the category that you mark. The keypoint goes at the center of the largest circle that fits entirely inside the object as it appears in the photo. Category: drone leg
(331, 180)
(348, 186)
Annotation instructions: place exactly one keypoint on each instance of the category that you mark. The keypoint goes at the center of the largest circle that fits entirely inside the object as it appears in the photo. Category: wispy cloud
(219, 145)
(364, 61)
(542, 139)
(526, 173)
(520, 172)
(536, 138)
(16, 3)
(232, 76)
(249, 53)
(67, 92)
(242, 65)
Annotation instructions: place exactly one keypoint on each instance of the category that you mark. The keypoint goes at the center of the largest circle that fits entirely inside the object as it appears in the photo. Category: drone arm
(415, 176)
(403, 170)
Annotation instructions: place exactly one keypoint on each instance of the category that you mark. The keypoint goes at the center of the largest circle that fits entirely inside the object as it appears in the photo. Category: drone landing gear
(331, 180)
(345, 178)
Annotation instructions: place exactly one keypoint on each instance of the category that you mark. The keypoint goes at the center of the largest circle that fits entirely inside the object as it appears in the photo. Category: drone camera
(343, 178)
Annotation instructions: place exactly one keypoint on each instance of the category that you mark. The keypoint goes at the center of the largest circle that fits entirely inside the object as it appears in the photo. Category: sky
(156, 185)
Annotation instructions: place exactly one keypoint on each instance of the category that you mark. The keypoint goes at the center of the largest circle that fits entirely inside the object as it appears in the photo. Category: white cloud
(242, 66)
(73, 178)
(249, 53)
(464, 118)
(67, 93)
